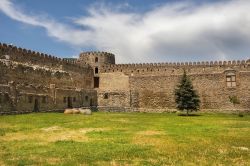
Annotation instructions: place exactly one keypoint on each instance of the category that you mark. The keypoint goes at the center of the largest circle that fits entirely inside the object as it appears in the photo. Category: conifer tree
(186, 97)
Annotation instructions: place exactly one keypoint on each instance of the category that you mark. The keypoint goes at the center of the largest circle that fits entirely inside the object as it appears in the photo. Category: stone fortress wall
(150, 87)
(32, 81)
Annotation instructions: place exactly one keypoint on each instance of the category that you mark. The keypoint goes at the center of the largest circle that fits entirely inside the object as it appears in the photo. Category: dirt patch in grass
(151, 132)
(241, 148)
(45, 137)
(152, 137)
(150, 140)
(6, 125)
(52, 128)
(121, 120)
(1, 163)
(86, 130)
(163, 145)
(52, 134)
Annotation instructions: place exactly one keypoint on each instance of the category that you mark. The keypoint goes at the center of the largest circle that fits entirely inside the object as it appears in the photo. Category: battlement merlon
(97, 58)
(18, 54)
(97, 53)
(176, 64)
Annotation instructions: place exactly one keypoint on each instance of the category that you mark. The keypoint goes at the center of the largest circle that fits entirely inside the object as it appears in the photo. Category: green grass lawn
(124, 139)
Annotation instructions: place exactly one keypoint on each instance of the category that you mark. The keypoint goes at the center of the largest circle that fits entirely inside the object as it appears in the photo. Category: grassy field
(124, 139)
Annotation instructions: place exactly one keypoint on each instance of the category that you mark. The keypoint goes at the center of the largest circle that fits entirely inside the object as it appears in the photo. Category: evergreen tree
(186, 97)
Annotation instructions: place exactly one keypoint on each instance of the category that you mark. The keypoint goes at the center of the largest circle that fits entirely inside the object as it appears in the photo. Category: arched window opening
(96, 59)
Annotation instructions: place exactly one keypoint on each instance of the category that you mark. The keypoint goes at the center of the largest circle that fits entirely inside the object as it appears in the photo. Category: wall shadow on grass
(184, 114)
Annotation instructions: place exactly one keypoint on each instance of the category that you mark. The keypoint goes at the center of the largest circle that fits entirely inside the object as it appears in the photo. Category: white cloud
(171, 32)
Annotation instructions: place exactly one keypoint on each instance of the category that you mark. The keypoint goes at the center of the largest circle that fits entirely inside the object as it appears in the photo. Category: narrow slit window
(96, 70)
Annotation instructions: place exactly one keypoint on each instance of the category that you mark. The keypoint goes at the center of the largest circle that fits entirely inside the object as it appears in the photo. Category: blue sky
(136, 31)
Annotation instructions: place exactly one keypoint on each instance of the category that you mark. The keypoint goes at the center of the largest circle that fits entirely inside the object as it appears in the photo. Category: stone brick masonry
(32, 81)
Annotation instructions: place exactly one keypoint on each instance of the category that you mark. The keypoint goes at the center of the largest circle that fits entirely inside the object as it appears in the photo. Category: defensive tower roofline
(96, 53)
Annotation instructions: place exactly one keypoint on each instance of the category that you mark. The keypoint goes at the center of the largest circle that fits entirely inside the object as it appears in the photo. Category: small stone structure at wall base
(84, 111)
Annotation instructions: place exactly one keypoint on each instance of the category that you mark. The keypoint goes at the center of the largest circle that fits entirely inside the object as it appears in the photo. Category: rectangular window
(74, 99)
(231, 81)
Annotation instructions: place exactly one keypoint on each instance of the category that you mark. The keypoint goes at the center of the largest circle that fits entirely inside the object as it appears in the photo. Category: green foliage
(94, 109)
(234, 100)
(186, 97)
(241, 114)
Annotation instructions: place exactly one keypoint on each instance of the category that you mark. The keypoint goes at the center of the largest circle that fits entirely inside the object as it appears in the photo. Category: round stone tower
(96, 60)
